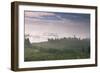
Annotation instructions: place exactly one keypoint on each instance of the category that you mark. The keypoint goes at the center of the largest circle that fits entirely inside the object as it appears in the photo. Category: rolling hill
(56, 49)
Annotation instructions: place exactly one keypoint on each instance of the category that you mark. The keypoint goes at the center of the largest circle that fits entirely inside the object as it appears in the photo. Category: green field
(57, 49)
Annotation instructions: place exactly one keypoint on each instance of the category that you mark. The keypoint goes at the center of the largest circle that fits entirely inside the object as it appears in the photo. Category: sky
(39, 26)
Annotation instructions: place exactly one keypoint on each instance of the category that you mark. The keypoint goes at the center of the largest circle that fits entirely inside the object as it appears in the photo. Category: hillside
(64, 43)
(55, 49)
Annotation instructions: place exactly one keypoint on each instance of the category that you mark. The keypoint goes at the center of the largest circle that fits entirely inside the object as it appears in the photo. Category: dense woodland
(57, 49)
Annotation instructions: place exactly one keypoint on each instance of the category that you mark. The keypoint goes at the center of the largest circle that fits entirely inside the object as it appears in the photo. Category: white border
(34, 64)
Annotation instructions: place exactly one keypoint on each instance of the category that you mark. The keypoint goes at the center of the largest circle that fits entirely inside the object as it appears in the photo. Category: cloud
(37, 14)
(50, 16)
(45, 17)
(50, 34)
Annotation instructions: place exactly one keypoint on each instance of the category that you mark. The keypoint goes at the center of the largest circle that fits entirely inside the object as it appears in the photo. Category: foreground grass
(38, 55)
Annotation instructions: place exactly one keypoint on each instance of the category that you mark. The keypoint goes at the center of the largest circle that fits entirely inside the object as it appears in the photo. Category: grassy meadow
(57, 49)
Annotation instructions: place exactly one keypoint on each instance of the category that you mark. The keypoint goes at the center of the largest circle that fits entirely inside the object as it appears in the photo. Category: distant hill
(64, 43)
